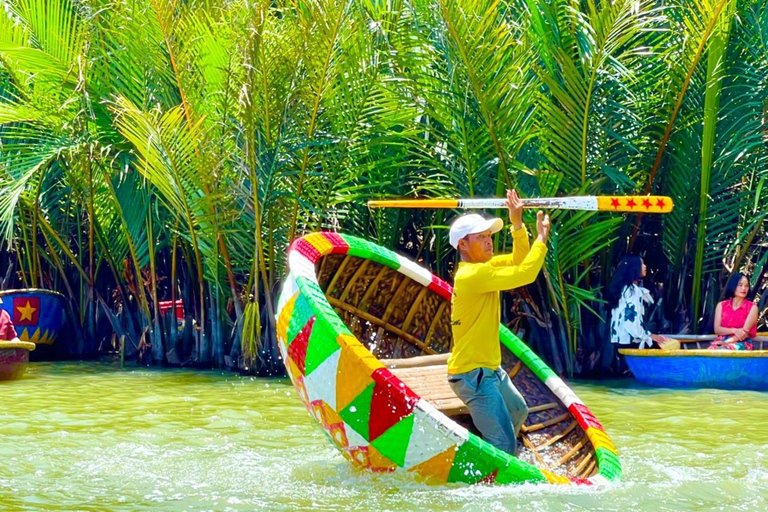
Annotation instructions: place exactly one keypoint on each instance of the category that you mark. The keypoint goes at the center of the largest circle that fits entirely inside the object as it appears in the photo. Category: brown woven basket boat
(400, 313)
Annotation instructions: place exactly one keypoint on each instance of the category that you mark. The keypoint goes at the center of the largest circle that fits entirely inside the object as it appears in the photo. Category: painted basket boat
(353, 316)
(692, 366)
(38, 315)
(14, 356)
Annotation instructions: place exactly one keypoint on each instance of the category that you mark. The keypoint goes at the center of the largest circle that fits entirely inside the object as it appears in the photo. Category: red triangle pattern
(392, 401)
(490, 479)
(297, 350)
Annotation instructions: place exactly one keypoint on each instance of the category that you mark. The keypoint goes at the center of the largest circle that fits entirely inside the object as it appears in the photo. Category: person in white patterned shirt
(627, 300)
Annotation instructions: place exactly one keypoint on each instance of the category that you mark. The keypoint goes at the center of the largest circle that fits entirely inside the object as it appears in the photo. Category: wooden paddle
(632, 204)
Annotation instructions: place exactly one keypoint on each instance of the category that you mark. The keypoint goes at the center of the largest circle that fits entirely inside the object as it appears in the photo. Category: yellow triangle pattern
(436, 469)
(363, 354)
(378, 462)
(284, 319)
(47, 338)
(351, 377)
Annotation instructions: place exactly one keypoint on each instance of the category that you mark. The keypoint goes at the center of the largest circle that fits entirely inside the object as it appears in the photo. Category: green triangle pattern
(321, 306)
(518, 471)
(358, 412)
(299, 318)
(322, 343)
(393, 444)
(475, 460)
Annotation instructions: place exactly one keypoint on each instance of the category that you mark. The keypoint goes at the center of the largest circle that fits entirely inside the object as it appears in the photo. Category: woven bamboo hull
(14, 357)
(38, 315)
(696, 368)
(348, 307)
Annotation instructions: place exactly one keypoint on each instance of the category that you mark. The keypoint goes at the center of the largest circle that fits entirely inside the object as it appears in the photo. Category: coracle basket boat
(38, 315)
(14, 356)
(693, 366)
(365, 335)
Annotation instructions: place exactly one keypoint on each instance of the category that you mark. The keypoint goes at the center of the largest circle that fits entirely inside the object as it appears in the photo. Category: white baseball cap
(471, 224)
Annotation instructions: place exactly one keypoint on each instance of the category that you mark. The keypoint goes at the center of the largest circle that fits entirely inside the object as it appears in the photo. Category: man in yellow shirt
(497, 408)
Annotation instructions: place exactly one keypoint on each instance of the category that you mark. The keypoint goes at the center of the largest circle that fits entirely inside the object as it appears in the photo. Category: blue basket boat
(693, 366)
(37, 315)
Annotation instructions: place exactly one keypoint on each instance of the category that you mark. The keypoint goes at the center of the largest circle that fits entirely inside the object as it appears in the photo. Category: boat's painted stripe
(284, 315)
(414, 271)
(305, 248)
(338, 243)
(289, 289)
(320, 242)
(748, 354)
(441, 288)
(599, 479)
(585, 417)
(365, 249)
(302, 266)
(562, 391)
(601, 440)
(555, 479)
(580, 481)
(608, 464)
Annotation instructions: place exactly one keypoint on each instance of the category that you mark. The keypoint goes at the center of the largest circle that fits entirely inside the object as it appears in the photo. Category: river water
(92, 437)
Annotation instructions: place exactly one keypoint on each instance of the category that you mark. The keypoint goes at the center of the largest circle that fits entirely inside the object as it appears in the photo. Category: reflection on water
(88, 436)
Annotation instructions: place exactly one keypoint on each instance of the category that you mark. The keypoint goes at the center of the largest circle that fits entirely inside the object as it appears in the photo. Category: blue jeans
(497, 408)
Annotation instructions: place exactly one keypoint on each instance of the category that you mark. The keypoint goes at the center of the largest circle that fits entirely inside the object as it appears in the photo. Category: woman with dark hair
(627, 300)
(735, 317)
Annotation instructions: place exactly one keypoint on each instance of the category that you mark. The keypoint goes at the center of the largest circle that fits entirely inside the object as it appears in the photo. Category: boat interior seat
(427, 376)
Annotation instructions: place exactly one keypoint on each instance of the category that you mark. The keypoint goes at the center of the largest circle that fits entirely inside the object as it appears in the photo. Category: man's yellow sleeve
(520, 248)
(486, 277)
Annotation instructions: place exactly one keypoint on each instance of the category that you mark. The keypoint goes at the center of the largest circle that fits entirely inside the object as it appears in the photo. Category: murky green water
(87, 436)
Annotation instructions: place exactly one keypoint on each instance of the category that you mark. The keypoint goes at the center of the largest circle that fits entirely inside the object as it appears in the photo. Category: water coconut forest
(170, 151)
(184, 192)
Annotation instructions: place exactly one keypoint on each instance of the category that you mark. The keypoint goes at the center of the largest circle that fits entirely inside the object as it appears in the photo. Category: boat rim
(743, 354)
(30, 290)
(28, 345)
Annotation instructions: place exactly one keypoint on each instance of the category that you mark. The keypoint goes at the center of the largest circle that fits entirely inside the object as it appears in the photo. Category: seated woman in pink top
(735, 317)
(7, 332)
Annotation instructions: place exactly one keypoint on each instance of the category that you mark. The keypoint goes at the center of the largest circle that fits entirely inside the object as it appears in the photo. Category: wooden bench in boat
(427, 376)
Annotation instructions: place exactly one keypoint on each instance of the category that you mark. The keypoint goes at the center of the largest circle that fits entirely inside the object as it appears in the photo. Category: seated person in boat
(735, 317)
(7, 331)
(627, 300)
(497, 408)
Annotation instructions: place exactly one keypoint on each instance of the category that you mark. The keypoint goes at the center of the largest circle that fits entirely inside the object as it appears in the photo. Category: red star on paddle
(631, 203)
(660, 203)
(647, 203)
(615, 203)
